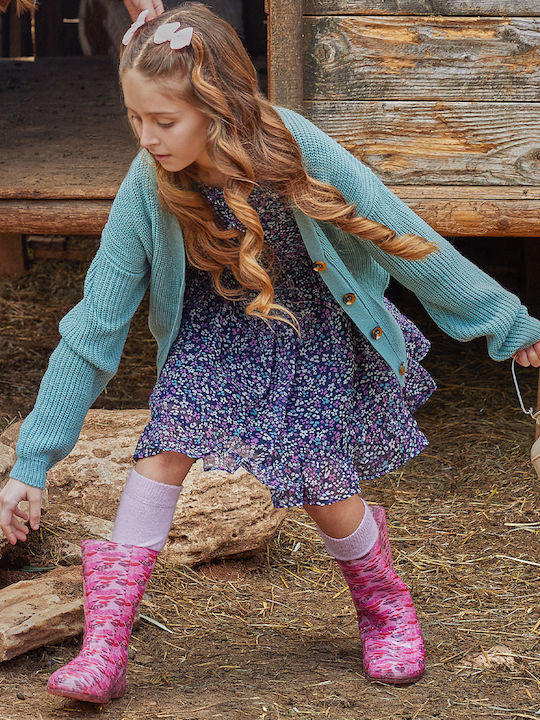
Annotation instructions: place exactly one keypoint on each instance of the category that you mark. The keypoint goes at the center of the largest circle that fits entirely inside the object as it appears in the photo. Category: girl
(267, 248)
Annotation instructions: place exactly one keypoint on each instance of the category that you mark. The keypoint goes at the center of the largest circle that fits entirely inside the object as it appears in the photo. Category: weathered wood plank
(66, 217)
(285, 56)
(473, 211)
(516, 8)
(467, 217)
(451, 210)
(438, 143)
(485, 193)
(425, 58)
(62, 127)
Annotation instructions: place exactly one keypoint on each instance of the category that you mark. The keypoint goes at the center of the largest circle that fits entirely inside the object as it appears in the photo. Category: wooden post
(11, 255)
(285, 53)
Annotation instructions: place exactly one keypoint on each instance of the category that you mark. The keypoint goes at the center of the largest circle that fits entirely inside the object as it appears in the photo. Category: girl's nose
(147, 138)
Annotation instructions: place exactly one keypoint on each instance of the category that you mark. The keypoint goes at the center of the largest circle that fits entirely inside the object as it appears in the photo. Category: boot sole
(408, 681)
(85, 698)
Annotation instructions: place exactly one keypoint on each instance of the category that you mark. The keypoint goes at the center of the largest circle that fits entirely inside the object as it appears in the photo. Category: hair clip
(139, 22)
(170, 32)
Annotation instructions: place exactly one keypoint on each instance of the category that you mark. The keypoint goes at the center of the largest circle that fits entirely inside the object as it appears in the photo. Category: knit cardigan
(142, 246)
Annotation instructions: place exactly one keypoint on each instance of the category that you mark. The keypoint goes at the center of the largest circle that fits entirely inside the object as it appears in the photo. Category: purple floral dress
(310, 417)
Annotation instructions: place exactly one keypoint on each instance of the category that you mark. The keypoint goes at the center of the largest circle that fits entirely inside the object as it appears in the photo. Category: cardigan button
(349, 298)
(319, 265)
(402, 369)
(377, 332)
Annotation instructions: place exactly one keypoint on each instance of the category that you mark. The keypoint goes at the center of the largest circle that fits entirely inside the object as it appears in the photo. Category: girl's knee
(165, 466)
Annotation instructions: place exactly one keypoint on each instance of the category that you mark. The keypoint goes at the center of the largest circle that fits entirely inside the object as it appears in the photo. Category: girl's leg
(339, 519)
(147, 504)
(393, 649)
(115, 574)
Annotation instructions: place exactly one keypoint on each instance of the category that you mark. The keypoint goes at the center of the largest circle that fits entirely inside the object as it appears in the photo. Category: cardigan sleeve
(93, 334)
(463, 300)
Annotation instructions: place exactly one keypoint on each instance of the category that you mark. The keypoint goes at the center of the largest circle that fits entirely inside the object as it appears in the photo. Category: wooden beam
(11, 255)
(52, 217)
(516, 8)
(462, 217)
(285, 53)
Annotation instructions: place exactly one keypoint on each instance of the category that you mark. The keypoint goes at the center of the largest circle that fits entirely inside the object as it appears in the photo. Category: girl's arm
(93, 334)
(463, 300)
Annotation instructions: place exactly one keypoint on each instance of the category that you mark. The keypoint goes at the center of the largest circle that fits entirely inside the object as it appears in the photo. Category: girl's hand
(135, 8)
(10, 496)
(529, 356)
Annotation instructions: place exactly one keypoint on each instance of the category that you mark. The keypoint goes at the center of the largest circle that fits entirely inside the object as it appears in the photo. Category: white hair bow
(139, 22)
(170, 32)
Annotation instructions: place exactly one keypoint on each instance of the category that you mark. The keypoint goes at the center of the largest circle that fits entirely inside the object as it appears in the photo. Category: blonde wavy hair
(249, 145)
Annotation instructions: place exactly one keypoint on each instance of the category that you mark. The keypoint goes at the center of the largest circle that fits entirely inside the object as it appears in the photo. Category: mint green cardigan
(142, 245)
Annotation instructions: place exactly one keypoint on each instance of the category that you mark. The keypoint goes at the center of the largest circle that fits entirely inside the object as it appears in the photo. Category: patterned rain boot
(115, 578)
(392, 644)
(379, 514)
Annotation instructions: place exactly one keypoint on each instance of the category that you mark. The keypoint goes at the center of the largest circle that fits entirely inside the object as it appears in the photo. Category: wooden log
(436, 143)
(11, 253)
(473, 218)
(517, 8)
(424, 58)
(285, 53)
(451, 210)
(40, 612)
(50, 217)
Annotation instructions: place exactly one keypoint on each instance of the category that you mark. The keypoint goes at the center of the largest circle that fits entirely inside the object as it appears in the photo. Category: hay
(277, 630)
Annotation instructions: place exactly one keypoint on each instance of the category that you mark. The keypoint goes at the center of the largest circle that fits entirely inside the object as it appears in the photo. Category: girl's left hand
(529, 356)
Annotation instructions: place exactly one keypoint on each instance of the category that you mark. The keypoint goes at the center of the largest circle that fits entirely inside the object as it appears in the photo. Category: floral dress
(311, 417)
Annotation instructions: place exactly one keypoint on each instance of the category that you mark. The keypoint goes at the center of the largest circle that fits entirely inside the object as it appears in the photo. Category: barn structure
(441, 100)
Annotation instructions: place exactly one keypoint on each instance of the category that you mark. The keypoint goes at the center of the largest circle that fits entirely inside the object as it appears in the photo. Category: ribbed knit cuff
(356, 544)
(30, 471)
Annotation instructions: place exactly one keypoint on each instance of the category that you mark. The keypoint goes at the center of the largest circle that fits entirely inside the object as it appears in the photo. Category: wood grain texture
(476, 217)
(438, 143)
(63, 129)
(422, 58)
(285, 53)
(54, 217)
(517, 8)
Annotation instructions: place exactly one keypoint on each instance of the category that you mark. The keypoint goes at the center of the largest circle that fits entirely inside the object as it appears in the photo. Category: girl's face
(171, 129)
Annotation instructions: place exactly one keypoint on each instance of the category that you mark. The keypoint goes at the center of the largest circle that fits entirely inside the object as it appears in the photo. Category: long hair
(249, 144)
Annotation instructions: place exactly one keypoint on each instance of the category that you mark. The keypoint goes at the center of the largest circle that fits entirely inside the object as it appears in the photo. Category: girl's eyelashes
(162, 125)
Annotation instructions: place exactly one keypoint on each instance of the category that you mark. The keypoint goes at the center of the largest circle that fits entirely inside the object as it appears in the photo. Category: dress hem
(245, 464)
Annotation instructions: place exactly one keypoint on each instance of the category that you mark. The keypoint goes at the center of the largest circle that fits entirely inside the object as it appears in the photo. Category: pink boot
(392, 644)
(379, 514)
(115, 578)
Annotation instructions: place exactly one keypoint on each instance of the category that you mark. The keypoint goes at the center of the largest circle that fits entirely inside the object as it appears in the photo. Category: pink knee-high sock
(356, 544)
(145, 512)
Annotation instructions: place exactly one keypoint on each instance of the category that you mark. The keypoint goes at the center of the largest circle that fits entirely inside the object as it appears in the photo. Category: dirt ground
(274, 635)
